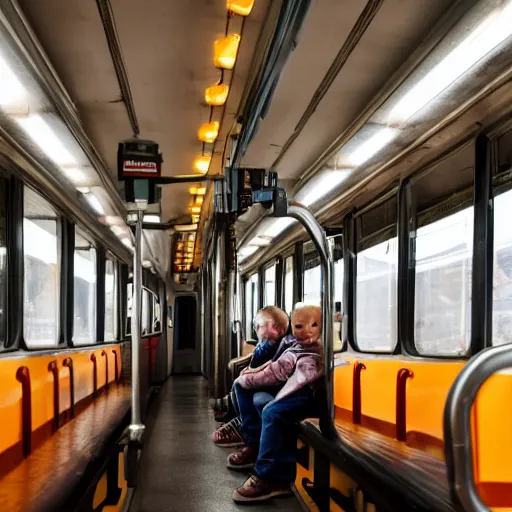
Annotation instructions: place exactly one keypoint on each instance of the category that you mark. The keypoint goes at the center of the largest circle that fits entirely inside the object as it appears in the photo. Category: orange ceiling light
(201, 191)
(225, 50)
(195, 209)
(195, 219)
(240, 7)
(209, 132)
(199, 200)
(202, 163)
(216, 95)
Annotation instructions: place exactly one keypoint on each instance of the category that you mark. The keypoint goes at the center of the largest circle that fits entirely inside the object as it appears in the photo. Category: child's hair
(278, 316)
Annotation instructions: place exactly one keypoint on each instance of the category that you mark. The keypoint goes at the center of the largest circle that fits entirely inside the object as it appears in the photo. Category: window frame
(19, 340)
(410, 219)
(99, 290)
(269, 264)
(352, 247)
(108, 256)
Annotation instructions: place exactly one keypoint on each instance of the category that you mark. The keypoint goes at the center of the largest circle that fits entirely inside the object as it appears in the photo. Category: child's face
(306, 325)
(265, 330)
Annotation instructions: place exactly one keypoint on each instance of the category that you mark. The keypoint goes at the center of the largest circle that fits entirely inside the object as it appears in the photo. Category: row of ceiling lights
(225, 50)
(440, 71)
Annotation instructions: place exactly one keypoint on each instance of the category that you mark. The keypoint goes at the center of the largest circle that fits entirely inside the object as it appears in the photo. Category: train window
(129, 307)
(442, 297)
(288, 284)
(157, 323)
(338, 303)
(42, 257)
(84, 323)
(270, 286)
(110, 299)
(146, 312)
(502, 289)
(3, 262)
(312, 276)
(376, 297)
(251, 304)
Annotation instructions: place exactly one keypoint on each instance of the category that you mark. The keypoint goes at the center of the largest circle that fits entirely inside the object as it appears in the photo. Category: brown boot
(255, 489)
(243, 458)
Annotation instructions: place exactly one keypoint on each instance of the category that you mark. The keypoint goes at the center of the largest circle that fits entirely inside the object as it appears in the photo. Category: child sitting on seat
(270, 324)
(272, 400)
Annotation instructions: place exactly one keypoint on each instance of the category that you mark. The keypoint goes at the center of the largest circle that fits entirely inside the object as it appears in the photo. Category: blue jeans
(272, 425)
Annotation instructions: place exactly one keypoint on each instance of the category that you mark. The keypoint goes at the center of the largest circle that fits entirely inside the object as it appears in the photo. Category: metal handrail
(319, 238)
(457, 422)
(136, 427)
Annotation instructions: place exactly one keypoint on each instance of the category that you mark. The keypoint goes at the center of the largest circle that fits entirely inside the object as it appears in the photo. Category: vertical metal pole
(136, 427)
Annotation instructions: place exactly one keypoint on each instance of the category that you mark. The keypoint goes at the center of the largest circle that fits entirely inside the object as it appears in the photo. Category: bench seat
(402, 477)
(58, 473)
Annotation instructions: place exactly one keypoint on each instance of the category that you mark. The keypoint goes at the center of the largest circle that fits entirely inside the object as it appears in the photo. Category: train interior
(169, 168)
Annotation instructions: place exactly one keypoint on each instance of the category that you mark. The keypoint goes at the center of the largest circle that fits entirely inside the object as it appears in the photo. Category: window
(42, 256)
(312, 276)
(110, 299)
(376, 297)
(3, 262)
(84, 323)
(146, 312)
(502, 279)
(157, 323)
(270, 286)
(129, 307)
(338, 303)
(288, 285)
(442, 297)
(251, 304)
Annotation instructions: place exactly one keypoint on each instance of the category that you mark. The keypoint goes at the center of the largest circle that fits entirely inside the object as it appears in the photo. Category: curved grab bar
(457, 422)
(319, 238)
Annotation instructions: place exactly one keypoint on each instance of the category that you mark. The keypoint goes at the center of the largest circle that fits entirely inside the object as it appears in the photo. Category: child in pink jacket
(272, 400)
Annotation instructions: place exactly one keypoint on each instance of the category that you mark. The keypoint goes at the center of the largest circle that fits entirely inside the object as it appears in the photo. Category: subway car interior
(187, 185)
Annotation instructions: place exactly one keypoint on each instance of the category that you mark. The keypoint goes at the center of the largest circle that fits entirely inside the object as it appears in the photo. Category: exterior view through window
(270, 286)
(288, 285)
(41, 242)
(376, 297)
(442, 297)
(338, 303)
(502, 278)
(110, 300)
(84, 322)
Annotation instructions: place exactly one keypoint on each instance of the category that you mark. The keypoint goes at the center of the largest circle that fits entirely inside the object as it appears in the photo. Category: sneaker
(255, 489)
(227, 435)
(244, 458)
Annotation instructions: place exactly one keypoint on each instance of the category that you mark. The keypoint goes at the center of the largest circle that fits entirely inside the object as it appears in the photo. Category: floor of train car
(181, 468)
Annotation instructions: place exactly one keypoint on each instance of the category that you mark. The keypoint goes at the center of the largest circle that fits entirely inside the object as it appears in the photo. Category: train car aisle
(181, 468)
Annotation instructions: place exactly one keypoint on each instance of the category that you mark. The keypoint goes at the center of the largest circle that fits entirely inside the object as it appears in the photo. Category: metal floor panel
(181, 468)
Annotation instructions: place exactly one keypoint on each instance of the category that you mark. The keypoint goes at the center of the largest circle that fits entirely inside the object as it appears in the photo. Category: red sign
(132, 166)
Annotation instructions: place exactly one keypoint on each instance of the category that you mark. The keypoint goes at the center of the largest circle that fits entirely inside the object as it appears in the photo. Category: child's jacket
(296, 367)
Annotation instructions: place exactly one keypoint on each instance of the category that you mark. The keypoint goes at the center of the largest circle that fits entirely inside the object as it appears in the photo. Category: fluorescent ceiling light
(245, 252)
(127, 242)
(76, 175)
(46, 139)
(12, 93)
(277, 226)
(95, 203)
(260, 241)
(152, 218)
(185, 227)
(372, 146)
(117, 230)
(321, 185)
(487, 36)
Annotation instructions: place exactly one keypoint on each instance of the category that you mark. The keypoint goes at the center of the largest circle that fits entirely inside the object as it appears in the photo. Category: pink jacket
(297, 367)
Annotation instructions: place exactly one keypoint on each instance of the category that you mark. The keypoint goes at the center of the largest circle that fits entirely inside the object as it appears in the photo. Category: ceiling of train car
(168, 51)
(395, 31)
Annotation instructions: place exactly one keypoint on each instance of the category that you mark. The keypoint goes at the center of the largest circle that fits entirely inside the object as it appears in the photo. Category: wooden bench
(65, 467)
(394, 475)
